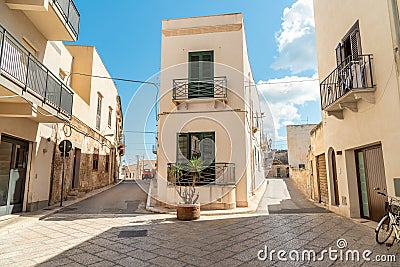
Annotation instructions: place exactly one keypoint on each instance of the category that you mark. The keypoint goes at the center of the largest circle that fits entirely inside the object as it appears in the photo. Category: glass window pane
(5, 165)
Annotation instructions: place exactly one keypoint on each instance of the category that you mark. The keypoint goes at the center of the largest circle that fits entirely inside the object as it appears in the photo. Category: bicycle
(389, 222)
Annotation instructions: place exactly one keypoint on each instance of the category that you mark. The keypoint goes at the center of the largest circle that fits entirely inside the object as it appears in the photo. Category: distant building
(298, 141)
(135, 171)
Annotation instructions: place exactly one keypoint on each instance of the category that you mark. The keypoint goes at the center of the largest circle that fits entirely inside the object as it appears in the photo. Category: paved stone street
(112, 229)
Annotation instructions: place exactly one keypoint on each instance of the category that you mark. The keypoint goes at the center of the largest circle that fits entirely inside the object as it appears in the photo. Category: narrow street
(112, 229)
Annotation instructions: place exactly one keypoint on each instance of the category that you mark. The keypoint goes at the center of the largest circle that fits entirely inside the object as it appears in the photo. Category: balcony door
(201, 74)
(13, 165)
(198, 145)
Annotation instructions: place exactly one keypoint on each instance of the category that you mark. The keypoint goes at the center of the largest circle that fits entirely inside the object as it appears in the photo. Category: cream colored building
(355, 151)
(39, 108)
(209, 108)
(298, 141)
(95, 129)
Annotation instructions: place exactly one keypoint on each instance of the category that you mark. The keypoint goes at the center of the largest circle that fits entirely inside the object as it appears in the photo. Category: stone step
(71, 197)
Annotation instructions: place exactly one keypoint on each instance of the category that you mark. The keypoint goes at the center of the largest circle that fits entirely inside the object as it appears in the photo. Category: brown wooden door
(77, 168)
(371, 179)
(322, 179)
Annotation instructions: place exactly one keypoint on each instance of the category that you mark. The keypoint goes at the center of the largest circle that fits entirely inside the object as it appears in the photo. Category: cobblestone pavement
(116, 237)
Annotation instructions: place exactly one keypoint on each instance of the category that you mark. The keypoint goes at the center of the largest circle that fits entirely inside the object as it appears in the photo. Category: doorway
(13, 167)
(335, 179)
(371, 179)
(77, 168)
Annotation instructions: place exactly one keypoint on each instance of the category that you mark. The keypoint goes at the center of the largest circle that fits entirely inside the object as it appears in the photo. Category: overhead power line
(299, 81)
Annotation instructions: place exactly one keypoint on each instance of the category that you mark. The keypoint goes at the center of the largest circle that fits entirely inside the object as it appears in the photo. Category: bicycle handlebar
(383, 194)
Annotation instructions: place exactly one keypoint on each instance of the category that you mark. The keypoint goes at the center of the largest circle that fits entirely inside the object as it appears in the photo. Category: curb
(256, 200)
(25, 219)
(87, 196)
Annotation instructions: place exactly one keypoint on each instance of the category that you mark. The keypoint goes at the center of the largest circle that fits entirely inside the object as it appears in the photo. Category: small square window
(96, 159)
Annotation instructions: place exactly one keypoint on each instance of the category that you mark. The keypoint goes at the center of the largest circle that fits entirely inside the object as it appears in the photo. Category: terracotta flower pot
(188, 212)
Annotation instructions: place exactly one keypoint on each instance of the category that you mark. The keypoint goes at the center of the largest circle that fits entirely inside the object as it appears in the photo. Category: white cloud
(283, 96)
(296, 39)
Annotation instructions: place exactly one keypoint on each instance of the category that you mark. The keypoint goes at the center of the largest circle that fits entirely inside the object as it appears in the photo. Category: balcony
(185, 89)
(350, 82)
(214, 174)
(121, 145)
(57, 20)
(43, 95)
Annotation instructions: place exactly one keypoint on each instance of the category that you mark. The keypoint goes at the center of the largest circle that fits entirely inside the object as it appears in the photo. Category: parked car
(147, 174)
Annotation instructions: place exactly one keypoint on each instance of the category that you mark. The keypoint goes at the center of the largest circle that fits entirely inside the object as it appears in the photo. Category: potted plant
(188, 209)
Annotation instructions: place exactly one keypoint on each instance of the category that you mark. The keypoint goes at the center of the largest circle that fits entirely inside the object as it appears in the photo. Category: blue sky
(280, 38)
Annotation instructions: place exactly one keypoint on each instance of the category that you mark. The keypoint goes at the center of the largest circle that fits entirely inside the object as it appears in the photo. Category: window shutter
(207, 66)
(339, 54)
(208, 148)
(355, 44)
(182, 150)
(194, 66)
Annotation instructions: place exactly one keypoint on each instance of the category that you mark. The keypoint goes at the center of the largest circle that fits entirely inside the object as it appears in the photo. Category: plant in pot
(188, 209)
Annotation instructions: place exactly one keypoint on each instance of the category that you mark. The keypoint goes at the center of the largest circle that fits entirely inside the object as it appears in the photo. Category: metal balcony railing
(212, 88)
(355, 72)
(212, 174)
(18, 64)
(70, 14)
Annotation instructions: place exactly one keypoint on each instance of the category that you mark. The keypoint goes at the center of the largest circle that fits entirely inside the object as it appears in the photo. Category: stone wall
(89, 142)
(301, 178)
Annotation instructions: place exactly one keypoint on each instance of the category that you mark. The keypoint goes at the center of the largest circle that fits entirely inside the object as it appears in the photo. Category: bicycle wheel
(384, 230)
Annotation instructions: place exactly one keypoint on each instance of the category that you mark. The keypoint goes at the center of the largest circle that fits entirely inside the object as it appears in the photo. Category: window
(98, 113)
(107, 163)
(109, 116)
(96, 159)
(350, 45)
(302, 166)
(201, 74)
(192, 145)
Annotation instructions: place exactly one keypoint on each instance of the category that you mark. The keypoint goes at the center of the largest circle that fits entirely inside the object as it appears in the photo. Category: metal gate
(322, 179)
(371, 179)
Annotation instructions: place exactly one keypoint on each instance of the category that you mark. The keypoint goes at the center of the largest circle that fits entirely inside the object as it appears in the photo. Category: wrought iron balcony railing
(355, 72)
(212, 174)
(70, 13)
(18, 64)
(184, 89)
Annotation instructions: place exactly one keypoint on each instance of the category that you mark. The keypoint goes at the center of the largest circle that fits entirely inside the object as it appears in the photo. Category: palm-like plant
(188, 194)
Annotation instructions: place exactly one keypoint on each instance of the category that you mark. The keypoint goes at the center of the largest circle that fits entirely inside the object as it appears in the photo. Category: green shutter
(182, 148)
(208, 148)
(201, 74)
